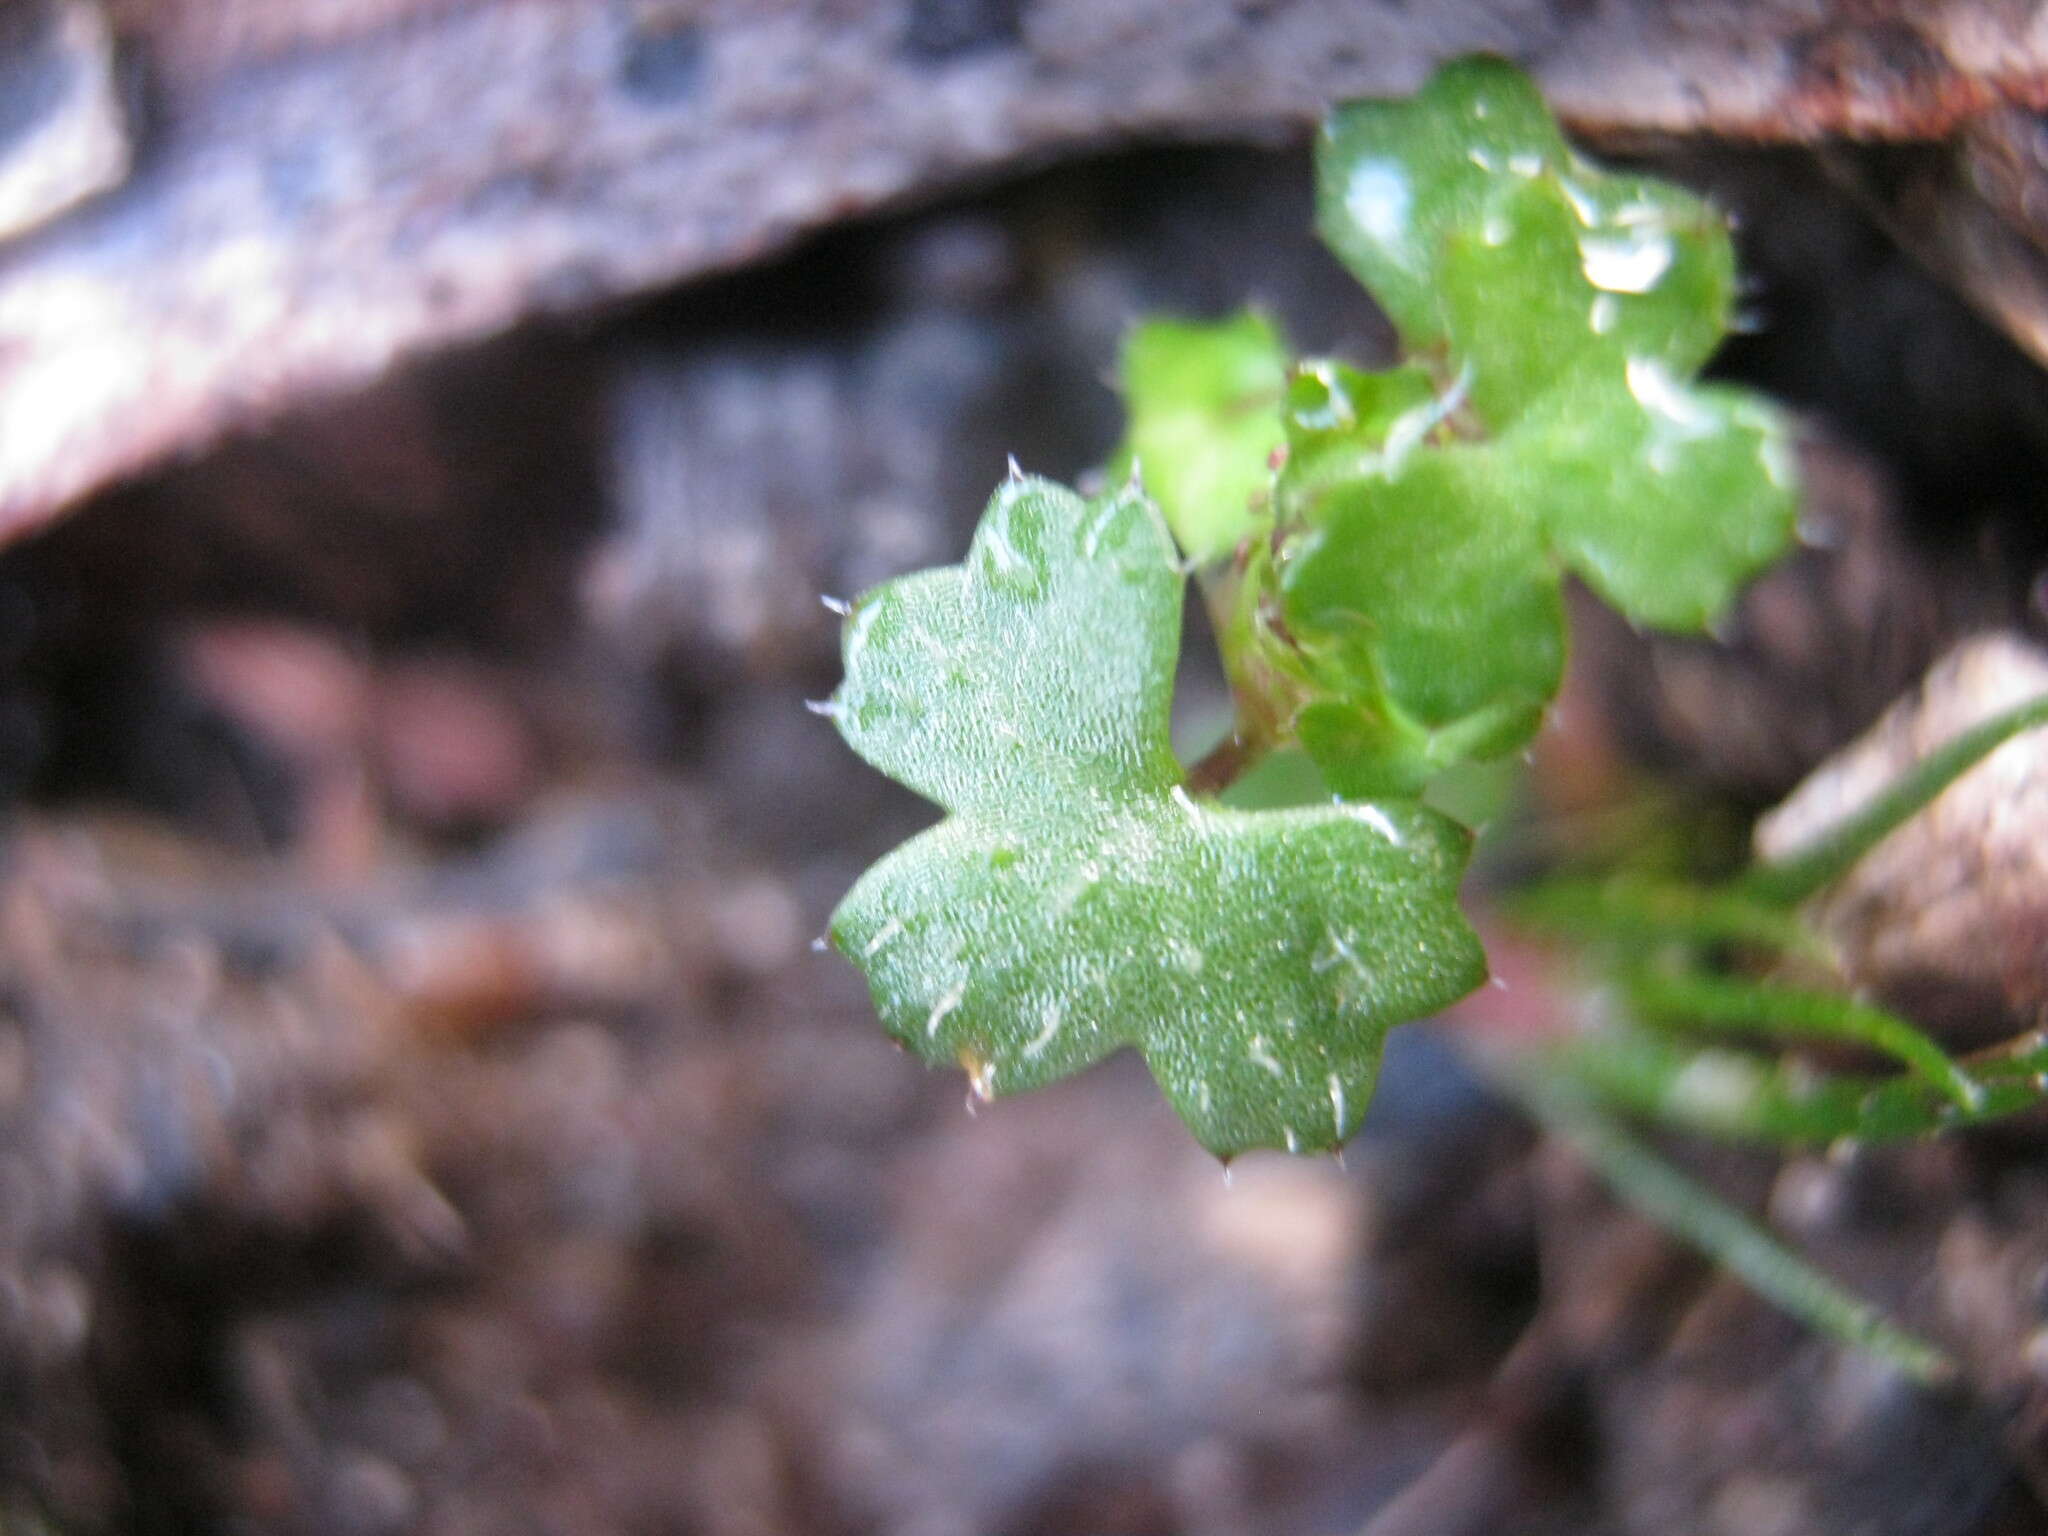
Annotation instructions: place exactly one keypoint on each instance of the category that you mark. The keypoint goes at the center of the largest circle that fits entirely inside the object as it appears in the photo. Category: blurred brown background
(426, 427)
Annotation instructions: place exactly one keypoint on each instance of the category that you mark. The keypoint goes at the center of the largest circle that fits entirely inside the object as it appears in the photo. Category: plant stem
(1220, 767)
(1790, 881)
(1717, 1002)
(1658, 1190)
(1739, 1097)
(1626, 907)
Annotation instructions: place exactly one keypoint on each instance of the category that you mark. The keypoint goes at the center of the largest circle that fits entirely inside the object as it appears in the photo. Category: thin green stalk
(1627, 908)
(1722, 1003)
(1689, 1211)
(1740, 1097)
(1790, 881)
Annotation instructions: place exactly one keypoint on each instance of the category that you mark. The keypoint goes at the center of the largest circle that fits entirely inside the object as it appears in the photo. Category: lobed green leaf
(1394, 177)
(1204, 403)
(1421, 536)
(1477, 227)
(1424, 591)
(1665, 498)
(1077, 899)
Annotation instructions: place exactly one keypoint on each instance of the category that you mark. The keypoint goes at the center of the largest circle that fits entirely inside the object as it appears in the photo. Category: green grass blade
(1740, 1097)
(1694, 1214)
(1722, 1003)
(1624, 908)
(1788, 882)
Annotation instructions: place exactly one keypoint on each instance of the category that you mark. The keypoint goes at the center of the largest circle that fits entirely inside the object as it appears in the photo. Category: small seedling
(1381, 555)
(1382, 552)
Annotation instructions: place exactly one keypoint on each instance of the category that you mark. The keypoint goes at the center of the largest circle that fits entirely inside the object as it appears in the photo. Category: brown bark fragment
(332, 187)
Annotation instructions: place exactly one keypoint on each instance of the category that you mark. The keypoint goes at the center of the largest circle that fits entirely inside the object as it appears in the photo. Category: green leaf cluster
(1393, 603)
(1381, 552)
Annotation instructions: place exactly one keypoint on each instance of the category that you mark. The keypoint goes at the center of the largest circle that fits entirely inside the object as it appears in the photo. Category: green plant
(1380, 554)
(1078, 898)
(1679, 957)
(1680, 962)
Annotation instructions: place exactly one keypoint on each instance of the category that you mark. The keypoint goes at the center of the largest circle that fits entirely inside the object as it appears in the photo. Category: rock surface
(1954, 904)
